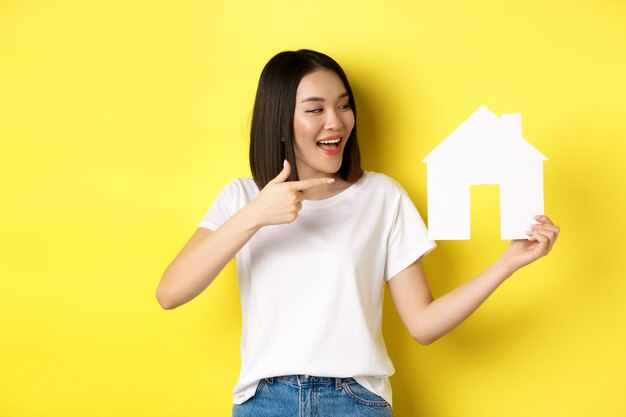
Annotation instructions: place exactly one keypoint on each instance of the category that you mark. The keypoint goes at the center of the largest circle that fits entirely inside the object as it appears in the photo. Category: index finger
(313, 182)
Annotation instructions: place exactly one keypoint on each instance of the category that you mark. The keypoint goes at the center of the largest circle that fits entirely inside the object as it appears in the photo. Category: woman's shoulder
(381, 181)
(244, 183)
(240, 189)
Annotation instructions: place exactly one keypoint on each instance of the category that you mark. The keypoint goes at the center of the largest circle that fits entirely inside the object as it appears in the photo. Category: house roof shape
(483, 136)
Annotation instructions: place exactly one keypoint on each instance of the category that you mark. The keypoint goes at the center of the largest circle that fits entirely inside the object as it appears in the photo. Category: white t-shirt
(312, 290)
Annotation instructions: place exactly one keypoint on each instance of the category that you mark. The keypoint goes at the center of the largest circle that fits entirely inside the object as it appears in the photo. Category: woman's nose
(333, 121)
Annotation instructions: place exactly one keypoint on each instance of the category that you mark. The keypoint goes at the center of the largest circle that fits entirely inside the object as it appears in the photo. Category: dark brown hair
(273, 114)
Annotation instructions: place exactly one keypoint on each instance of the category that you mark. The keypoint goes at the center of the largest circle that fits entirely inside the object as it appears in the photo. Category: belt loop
(338, 384)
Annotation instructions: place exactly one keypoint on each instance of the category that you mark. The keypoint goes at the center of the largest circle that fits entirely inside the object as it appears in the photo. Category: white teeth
(329, 142)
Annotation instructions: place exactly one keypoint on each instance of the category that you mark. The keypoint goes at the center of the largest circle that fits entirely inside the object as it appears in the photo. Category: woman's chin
(324, 168)
(333, 170)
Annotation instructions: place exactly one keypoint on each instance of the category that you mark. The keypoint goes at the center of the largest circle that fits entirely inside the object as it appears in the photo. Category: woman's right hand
(280, 200)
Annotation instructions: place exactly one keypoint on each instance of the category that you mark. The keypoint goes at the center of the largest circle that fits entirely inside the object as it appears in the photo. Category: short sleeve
(224, 206)
(408, 238)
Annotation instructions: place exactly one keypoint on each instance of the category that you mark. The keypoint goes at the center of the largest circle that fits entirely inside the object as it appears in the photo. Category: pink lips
(330, 150)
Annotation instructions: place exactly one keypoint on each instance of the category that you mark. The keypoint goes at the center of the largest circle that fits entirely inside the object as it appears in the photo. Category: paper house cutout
(484, 149)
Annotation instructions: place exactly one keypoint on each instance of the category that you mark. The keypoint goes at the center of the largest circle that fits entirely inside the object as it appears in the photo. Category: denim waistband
(304, 380)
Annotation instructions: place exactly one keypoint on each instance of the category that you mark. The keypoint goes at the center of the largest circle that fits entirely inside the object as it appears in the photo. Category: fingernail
(330, 181)
(284, 163)
(529, 232)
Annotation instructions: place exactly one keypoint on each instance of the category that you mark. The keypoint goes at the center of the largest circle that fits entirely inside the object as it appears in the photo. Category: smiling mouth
(330, 144)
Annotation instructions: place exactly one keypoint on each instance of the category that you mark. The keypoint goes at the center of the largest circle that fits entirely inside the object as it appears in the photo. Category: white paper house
(485, 149)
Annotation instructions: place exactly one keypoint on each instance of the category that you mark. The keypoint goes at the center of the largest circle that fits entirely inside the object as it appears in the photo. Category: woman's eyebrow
(321, 99)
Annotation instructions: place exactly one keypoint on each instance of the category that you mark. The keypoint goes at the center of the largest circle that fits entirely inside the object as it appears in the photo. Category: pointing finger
(313, 182)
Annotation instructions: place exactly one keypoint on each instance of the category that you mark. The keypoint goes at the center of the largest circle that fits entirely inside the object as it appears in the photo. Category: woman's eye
(344, 107)
(314, 111)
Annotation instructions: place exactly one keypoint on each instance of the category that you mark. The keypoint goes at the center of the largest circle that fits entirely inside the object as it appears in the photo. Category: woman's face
(323, 121)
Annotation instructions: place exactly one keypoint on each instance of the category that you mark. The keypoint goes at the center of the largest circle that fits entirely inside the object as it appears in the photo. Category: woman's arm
(202, 259)
(207, 253)
(427, 319)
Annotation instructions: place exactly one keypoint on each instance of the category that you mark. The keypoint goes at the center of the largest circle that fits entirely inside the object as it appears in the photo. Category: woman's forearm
(448, 311)
(443, 314)
(193, 270)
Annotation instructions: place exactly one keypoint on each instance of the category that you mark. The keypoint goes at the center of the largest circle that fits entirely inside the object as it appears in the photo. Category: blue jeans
(312, 396)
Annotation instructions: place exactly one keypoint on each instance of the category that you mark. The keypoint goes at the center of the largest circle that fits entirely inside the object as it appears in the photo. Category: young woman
(315, 239)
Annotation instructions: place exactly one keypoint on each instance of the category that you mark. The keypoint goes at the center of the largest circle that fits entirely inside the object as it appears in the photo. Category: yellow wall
(121, 120)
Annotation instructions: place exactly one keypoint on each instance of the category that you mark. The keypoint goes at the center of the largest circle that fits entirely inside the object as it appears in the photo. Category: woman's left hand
(541, 238)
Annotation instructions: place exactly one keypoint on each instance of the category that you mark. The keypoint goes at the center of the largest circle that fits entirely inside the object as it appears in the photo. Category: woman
(315, 239)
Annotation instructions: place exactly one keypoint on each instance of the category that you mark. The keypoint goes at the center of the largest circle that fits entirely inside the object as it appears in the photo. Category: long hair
(272, 135)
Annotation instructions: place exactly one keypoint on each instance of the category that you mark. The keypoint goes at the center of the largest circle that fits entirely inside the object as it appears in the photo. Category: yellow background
(120, 121)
